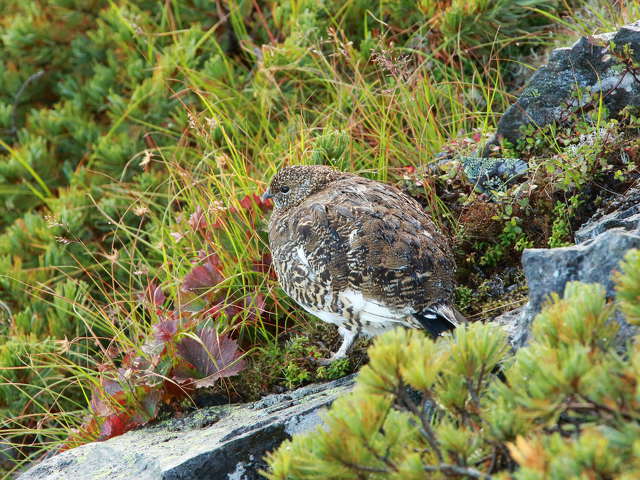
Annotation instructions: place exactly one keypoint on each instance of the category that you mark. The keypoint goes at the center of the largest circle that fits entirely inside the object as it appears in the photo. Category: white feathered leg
(348, 337)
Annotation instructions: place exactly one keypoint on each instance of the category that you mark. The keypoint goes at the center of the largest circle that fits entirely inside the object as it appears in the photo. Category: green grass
(150, 114)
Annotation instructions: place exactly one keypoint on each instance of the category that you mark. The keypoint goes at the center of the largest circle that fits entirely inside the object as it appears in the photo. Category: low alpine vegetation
(136, 137)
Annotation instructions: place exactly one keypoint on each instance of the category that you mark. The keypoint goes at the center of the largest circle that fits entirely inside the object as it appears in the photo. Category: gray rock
(216, 443)
(493, 173)
(625, 215)
(549, 269)
(590, 67)
(510, 322)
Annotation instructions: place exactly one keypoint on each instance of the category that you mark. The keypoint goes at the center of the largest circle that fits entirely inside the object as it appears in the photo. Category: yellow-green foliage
(20, 384)
(629, 287)
(565, 406)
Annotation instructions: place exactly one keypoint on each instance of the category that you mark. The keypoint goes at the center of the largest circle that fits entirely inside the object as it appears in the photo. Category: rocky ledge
(225, 442)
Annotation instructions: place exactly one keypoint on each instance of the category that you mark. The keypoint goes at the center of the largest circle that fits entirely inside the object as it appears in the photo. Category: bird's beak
(266, 195)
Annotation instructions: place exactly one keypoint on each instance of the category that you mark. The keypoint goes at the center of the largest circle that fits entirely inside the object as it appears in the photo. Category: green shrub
(564, 406)
(136, 136)
(19, 383)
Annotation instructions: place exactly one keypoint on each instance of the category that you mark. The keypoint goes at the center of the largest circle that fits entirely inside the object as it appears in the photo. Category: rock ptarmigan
(359, 254)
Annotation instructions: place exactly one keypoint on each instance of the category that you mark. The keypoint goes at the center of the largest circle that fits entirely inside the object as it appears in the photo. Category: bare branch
(456, 470)
(426, 430)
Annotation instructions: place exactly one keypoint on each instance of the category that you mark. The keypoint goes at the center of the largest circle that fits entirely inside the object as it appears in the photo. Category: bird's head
(291, 185)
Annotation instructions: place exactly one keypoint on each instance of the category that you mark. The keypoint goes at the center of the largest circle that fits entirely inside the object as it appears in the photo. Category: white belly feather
(373, 317)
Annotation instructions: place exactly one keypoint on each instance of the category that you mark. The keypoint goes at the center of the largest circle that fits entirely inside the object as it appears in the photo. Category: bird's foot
(348, 337)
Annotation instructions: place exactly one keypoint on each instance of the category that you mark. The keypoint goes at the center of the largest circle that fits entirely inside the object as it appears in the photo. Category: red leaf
(263, 204)
(234, 309)
(111, 390)
(200, 277)
(203, 276)
(254, 304)
(213, 260)
(117, 424)
(111, 387)
(213, 356)
(99, 406)
(246, 202)
(213, 311)
(218, 224)
(165, 330)
(132, 360)
(151, 402)
(153, 294)
(158, 297)
(177, 388)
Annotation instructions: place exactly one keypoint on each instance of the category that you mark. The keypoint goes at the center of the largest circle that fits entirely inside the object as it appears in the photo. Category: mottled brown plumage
(359, 253)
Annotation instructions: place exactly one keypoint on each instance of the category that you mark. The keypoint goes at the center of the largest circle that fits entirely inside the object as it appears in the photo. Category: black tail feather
(439, 319)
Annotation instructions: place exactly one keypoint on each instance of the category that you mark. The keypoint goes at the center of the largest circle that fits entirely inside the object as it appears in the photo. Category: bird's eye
(284, 189)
